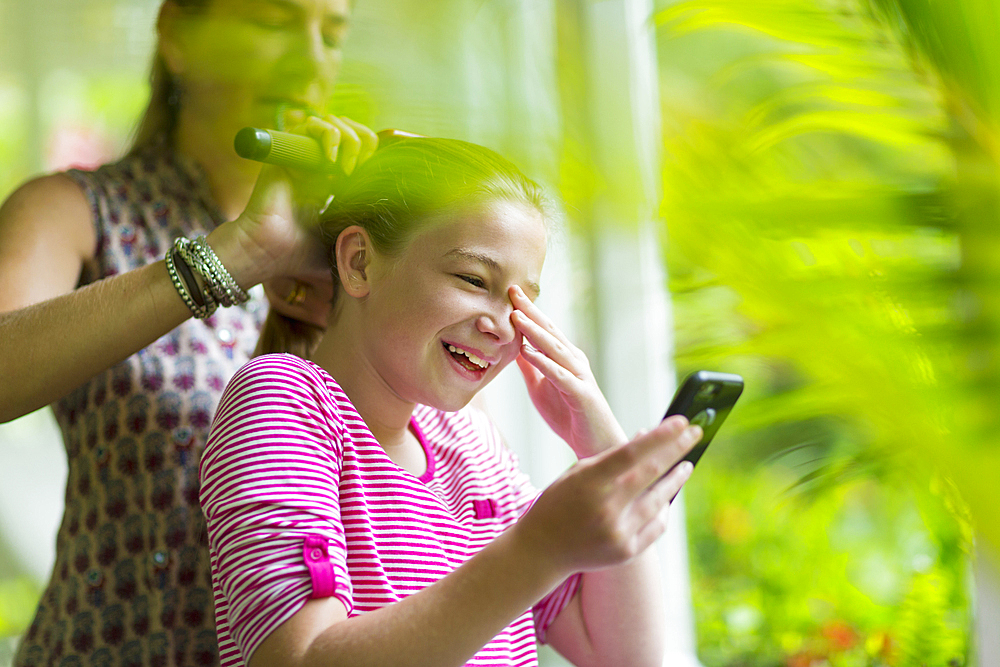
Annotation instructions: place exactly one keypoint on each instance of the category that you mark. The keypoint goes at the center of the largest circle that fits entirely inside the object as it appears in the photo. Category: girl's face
(241, 62)
(437, 324)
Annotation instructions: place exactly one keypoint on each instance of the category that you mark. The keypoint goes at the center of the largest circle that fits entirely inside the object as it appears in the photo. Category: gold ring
(297, 295)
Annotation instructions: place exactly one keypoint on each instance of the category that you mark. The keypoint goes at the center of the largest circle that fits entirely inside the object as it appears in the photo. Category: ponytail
(160, 118)
(281, 333)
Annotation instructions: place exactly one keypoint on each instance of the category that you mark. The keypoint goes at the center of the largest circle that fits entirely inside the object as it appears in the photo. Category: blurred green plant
(18, 597)
(831, 194)
(828, 195)
(11, 142)
(850, 577)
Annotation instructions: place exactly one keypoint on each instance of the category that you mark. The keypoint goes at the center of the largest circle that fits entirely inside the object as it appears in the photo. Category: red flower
(840, 635)
(802, 659)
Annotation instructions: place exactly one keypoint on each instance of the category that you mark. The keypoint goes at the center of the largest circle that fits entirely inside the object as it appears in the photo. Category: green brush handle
(294, 150)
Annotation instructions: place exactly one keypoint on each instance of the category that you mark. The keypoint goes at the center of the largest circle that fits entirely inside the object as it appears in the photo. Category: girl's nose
(498, 325)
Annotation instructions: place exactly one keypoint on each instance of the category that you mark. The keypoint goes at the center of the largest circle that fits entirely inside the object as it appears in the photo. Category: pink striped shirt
(303, 502)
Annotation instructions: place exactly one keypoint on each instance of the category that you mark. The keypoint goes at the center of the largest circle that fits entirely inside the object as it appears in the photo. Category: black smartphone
(706, 399)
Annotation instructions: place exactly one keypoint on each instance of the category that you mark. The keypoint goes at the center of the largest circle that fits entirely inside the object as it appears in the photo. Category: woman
(95, 322)
(360, 514)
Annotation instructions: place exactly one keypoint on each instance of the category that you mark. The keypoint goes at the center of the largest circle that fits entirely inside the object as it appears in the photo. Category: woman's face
(438, 316)
(242, 62)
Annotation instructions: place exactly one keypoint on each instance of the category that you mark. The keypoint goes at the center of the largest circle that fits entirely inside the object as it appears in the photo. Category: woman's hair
(392, 195)
(160, 117)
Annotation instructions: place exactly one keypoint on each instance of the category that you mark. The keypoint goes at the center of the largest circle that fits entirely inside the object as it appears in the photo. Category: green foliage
(12, 102)
(18, 597)
(925, 638)
(850, 577)
(816, 245)
(831, 246)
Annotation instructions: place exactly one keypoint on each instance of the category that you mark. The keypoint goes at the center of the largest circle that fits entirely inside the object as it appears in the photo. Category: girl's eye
(473, 280)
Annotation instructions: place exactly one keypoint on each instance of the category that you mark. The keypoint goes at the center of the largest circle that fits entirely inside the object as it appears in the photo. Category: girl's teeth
(473, 358)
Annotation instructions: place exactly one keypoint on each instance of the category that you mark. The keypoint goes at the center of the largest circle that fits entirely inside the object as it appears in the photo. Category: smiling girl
(360, 513)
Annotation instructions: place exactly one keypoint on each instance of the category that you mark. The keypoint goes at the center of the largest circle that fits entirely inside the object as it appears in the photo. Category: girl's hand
(275, 231)
(561, 384)
(610, 507)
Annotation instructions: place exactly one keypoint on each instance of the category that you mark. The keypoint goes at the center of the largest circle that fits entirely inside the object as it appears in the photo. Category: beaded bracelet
(189, 280)
(218, 288)
(183, 248)
(234, 294)
(200, 311)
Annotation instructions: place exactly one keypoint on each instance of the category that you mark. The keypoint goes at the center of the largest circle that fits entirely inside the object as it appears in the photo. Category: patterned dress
(131, 584)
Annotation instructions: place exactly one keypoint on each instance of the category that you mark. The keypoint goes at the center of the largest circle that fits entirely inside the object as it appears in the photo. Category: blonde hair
(391, 196)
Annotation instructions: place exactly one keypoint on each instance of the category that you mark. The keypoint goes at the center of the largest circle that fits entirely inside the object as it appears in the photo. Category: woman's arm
(603, 512)
(54, 337)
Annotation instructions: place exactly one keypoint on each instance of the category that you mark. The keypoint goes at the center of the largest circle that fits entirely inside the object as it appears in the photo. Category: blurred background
(804, 192)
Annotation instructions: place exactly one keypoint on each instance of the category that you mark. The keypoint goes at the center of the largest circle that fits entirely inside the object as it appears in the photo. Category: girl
(360, 514)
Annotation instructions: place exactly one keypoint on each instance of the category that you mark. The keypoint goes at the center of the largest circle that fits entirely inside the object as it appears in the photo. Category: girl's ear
(168, 29)
(354, 255)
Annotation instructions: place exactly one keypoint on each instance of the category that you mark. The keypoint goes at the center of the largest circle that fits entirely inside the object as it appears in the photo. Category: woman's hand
(610, 507)
(561, 384)
(306, 301)
(275, 232)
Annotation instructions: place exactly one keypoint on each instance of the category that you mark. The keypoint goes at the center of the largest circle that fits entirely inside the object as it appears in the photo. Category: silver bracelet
(218, 286)
(224, 286)
(182, 247)
(199, 311)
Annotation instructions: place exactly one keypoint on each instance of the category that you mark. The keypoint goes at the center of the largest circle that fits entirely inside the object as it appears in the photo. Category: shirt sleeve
(270, 492)
(548, 608)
